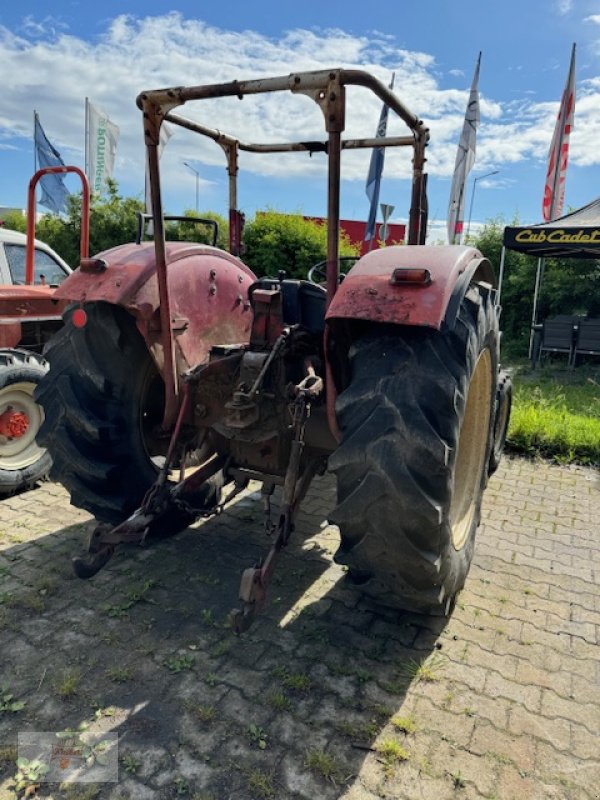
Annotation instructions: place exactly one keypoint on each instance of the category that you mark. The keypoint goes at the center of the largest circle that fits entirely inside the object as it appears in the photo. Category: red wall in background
(355, 230)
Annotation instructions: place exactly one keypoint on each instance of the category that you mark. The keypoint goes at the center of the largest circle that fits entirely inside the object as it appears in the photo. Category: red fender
(416, 285)
(370, 293)
(208, 289)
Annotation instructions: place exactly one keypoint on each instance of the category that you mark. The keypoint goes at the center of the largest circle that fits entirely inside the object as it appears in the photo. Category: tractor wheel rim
(19, 452)
(471, 451)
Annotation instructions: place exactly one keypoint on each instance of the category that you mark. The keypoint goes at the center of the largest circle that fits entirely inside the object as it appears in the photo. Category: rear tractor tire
(416, 423)
(22, 461)
(501, 420)
(103, 400)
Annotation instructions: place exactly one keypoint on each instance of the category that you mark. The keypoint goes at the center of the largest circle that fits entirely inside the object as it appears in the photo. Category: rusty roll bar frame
(84, 242)
(328, 89)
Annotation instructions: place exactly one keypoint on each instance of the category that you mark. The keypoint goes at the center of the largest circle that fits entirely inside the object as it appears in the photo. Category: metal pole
(197, 174)
(478, 178)
(333, 214)
(538, 280)
(500, 275)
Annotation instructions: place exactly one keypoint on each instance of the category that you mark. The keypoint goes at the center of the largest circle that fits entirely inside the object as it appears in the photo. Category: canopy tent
(576, 235)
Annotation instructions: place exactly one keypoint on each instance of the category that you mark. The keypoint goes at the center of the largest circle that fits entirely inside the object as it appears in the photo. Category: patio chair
(558, 336)
(588, 338)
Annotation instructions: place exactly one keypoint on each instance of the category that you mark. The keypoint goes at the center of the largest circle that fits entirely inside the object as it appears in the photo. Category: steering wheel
(318, 273)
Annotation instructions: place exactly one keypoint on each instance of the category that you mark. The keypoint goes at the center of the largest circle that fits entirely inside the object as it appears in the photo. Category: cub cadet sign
(557, 236)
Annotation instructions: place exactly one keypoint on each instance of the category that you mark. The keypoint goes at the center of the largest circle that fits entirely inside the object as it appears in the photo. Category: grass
(260, 784)
(203, 713)
(324, 764)
(557, 415)
(405, 725)
(427, 671)
(392, 754)
(68, 684)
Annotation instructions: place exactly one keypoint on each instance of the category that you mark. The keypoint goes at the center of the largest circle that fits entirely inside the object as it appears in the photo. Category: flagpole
(87, 139)
(34, 147)
(377, 170)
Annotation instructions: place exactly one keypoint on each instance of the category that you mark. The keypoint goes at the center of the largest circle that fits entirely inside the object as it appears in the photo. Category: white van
(49, 269)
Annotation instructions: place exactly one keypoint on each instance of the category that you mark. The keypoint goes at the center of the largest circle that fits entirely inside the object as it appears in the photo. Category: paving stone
(512, 712)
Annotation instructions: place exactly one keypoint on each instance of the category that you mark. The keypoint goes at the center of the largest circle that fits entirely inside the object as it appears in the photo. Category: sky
(111, 51)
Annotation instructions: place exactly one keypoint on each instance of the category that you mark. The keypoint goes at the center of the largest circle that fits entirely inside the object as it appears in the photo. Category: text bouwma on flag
(102, 140)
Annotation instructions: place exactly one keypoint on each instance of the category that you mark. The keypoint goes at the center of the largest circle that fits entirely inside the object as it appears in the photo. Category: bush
(277, 241)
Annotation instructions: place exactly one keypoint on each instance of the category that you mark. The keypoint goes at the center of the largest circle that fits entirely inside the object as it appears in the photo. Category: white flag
(164, 136)
(465, 158)
(102, 140)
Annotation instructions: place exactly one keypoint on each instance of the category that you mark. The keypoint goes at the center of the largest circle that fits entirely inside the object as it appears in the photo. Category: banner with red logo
(558, 157)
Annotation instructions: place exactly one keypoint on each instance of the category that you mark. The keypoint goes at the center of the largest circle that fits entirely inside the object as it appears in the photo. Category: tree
(193, 232)
(287, 242)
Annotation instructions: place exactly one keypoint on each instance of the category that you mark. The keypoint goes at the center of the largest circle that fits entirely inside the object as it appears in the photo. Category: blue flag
(375, 171)
(54, 191)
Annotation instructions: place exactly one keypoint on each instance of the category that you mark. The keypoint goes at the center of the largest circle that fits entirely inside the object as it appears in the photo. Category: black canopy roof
(576, 235)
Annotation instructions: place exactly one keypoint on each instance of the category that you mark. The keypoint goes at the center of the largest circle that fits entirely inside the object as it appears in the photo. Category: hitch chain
(255, 580)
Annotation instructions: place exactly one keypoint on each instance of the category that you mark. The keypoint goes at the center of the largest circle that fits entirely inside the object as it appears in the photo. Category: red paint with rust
(13, 424)
(208, 289)
(26, 303)
(368, 294)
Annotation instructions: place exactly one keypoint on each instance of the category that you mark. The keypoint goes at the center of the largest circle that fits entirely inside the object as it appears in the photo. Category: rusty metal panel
(29, 302)
(369, 293)
(208, 287)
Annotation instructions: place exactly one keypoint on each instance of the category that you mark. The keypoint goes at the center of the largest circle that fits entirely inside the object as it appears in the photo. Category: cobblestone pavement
(326, 696)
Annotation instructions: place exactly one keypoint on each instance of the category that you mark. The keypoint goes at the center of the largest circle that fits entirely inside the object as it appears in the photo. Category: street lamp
(478, 178)
(197, 174)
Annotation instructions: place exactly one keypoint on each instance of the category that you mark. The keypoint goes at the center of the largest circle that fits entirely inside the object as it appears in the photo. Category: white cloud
(564, 6)
(595, 18)
(45, 68)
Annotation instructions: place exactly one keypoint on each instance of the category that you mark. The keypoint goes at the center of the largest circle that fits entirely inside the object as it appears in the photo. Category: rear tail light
(414, 276)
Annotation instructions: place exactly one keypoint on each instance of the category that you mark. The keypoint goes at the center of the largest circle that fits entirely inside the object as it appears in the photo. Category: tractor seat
(302, 302)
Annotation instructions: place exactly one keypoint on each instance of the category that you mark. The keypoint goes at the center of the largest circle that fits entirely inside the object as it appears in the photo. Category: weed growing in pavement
(179, 663)
(392, 753)
(260, 784)
(257, 736)
(68, 684)
(379, 711)
(406, 725)
(207, 617)
(280, 702)
(130, 763)
(29, 774)
(8, 702)
(181, 786)
(211, 679)
(136, 594)
(204, 714)
(324, 764)
(31, 601)
(427, 671)
(358, 730)
(119, 674)
(298, 682)
(221, 648)
(458, 781)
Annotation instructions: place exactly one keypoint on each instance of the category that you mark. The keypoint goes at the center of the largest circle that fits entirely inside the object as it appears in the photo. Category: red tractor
(175, 353)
